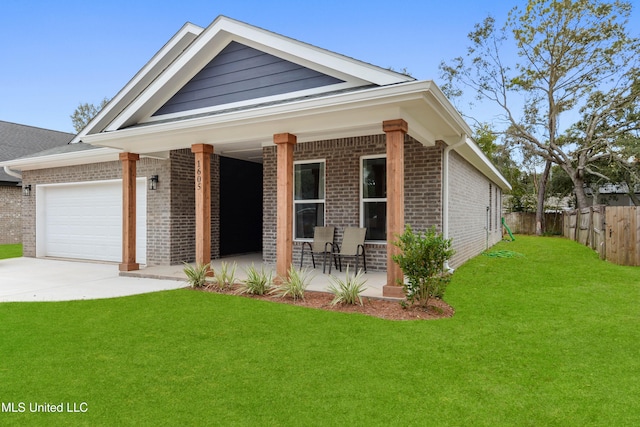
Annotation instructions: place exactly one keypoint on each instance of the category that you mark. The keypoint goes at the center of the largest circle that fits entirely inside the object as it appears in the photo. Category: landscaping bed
(382, 308)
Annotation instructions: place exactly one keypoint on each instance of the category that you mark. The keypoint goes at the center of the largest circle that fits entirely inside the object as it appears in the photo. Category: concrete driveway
(32, 279)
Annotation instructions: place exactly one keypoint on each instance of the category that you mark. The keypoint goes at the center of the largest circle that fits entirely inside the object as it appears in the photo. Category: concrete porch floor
(320, 282)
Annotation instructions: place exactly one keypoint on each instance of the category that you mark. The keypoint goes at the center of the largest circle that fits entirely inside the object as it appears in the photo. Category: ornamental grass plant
(225, 276)
(257, 282)
(196, 274)
(295, 285)
(347, 291)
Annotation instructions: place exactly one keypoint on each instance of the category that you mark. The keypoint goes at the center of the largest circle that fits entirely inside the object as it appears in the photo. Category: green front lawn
(10, 251)
(551, 338)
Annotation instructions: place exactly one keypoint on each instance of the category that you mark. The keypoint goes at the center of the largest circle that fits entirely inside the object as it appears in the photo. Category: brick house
(18, 140)
(234, 139)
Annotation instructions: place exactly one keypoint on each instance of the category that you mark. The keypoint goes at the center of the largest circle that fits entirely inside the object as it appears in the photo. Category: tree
(501, 156)
(560, 185)
(85, 112)
(622, 167)
(573, 59)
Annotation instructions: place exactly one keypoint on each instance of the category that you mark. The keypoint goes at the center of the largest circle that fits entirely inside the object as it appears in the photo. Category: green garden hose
(504, 224)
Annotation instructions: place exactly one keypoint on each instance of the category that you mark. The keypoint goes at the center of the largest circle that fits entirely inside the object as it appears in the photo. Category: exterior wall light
(26, 190)
(153, 182)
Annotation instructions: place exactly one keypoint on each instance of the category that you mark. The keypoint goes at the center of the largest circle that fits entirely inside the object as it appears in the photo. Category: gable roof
(223, 32)
(277, 85)
(193, 47)
(18, 140)
(241, 73)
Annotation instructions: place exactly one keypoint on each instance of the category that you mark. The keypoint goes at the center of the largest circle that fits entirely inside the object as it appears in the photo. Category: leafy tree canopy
(571, 95)
(85, 112)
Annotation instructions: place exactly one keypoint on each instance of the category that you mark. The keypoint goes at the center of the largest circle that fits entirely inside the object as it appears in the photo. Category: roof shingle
(18, 140)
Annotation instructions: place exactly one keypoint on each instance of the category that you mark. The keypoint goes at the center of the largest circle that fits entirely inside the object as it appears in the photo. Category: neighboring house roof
(18, 140)
(623, 188)
(234, 86)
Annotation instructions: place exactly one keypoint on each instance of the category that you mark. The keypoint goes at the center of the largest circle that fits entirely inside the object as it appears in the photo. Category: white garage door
(84, 221)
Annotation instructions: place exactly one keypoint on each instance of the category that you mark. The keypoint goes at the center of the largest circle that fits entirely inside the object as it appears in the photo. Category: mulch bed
(382, 308)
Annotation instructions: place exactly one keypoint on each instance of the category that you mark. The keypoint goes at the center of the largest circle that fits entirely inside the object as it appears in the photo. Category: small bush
(225, 277)
(422, 262)
(196, 274)
(295, 285)
(347, 291)
(257, 282)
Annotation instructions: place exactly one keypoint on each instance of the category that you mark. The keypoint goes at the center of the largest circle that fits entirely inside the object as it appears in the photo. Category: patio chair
(352, 246)
(322, 244)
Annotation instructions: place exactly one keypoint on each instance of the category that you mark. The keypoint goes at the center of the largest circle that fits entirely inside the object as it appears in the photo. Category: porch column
(395, 131)
(284, 208)
(129, 212)
(203, 201)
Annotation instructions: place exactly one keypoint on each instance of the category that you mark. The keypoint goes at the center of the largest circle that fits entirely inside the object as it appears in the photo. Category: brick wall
(182, 208)
(423, 168)
(170, 208)
(10, 215)
(158, 250)
(471, 226)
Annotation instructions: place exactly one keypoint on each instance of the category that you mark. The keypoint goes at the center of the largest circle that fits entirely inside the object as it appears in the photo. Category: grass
(10, 251)
(550, 338)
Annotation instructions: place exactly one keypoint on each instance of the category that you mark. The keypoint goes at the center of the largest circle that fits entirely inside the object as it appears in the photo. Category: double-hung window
(308, 197)
(373, 197)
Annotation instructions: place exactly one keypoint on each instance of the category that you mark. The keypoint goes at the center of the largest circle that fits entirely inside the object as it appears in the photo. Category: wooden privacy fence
(525, 222)
(612, 231)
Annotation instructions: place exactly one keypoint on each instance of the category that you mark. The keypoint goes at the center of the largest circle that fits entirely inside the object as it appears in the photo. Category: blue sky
(58, 54)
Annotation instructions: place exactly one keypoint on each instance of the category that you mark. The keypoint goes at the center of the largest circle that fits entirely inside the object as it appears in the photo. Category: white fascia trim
(371, 97)
(240, 104)
(477, 153)
(449, 114)
(162, 59)
(447, 111)
(295, 50)
(170, 77)
(98, 155)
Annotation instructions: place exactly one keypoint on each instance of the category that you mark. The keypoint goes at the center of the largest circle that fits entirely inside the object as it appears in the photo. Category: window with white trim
(308, 197)
(373, 197)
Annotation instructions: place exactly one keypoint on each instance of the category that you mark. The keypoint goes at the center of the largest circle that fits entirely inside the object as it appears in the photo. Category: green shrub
(225, 277)
(295, 285)
(347, 291)
(196, 274)
(257, 282)
(422, 262)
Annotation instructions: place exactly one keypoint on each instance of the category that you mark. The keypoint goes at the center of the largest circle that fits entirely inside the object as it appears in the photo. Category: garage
(84, 220)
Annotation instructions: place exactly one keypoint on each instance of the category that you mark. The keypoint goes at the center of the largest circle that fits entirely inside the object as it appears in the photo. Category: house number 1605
(198, 177)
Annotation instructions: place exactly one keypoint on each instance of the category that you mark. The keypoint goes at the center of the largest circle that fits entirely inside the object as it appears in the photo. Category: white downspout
(14, 174)
(445, 192)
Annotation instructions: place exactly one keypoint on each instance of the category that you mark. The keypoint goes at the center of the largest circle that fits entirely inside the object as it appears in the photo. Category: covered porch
(394, 130)
(320, 282)
(400, 111)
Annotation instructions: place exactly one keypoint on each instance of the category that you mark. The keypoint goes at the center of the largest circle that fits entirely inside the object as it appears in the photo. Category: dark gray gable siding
(241, 73)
